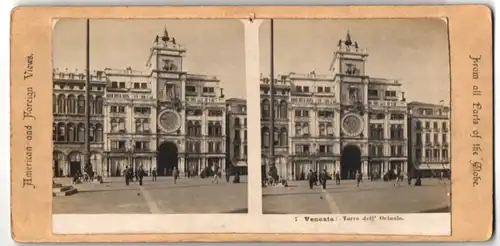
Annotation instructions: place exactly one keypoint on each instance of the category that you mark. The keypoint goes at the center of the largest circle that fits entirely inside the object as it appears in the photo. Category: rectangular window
(327, 89)
(427, 138)
(435, 125)
(428, 154)
(298, 88)
(393, 151)
(418, 154)
(144, 85)
(418, 138)
(113, 109)
(372, 93)
(320, 89)
(121, 109)
(390, 93)
(436, 138)
(400, 150)
(380, 150)
(306, 88)
(427, 125)
(443, 125)
(114, 84)
(191, 89)
(445, 154)
(122, 85)
(137, 86)
(443, 139)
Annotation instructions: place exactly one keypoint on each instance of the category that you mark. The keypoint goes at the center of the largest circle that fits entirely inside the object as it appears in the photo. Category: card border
(470, 33)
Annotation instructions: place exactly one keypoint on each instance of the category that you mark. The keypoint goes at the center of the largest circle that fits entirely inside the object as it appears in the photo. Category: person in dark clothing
(140, 174)
(310, 178)
(358, 178)
(236, 178)
(176, 174)
(337, 178)
(154, 174)
(324, 177)
(125, 174)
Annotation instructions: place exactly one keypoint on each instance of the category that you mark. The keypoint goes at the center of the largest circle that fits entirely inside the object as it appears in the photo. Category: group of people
(139, 174)
(323, 177)
(87, 176)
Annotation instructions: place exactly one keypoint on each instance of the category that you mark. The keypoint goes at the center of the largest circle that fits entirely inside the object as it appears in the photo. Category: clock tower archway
(167, 158)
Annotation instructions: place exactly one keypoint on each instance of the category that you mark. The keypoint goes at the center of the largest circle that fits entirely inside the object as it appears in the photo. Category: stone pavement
(193, 195)
(370, 197)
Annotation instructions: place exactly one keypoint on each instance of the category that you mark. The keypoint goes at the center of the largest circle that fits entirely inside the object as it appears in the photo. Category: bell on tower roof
(165, 37)
(348, 40)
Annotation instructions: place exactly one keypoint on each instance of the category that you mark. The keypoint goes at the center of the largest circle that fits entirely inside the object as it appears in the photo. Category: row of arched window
(280, 109)
(76, 104)
(75, 133)
(280, 137)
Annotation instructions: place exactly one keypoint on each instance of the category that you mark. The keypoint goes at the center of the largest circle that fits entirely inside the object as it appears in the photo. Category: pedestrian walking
(125, 174)
(310, 179)
(154, 174)
(324, 178)
(359, 177)
(216, 174)
(140, 174)
(337, 178)
(176, 174)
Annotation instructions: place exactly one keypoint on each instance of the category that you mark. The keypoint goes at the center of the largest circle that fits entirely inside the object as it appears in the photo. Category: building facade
(429, 138)
(237, 141)
(68, 128)
(343, 122)
(161, 118)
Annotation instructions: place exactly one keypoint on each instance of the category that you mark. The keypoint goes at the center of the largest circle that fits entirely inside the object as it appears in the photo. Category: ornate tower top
(165, 46)
(348, 45)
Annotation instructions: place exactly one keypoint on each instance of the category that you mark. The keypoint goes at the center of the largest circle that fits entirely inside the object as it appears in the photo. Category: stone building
(129, 122)
(162, 117)
(345, 122)
(429, 138)
(237, 141)
(68, 128)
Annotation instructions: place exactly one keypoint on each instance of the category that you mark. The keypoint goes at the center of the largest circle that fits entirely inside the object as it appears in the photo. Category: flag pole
(271, 156)
(87, 96)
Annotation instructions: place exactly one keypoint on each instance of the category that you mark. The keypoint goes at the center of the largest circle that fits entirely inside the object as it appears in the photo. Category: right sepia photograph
(355, 116)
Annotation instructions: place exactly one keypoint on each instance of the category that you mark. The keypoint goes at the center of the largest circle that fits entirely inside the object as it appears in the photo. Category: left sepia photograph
(149, 117)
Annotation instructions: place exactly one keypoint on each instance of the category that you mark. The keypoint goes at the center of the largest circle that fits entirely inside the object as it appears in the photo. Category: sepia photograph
(355, 116)
(149, 117)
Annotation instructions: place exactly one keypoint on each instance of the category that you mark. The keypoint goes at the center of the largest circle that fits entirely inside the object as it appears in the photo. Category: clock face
(352, 125)
(170, 121)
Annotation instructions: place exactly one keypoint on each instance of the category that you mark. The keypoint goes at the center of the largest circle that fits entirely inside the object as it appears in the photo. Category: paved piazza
(370, 197)
(193, 195)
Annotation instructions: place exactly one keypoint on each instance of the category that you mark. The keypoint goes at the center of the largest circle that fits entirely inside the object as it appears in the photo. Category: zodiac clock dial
(352, 125)
(170, 121)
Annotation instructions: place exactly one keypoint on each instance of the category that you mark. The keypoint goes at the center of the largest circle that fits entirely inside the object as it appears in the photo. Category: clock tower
(348, 68)
(165, 60)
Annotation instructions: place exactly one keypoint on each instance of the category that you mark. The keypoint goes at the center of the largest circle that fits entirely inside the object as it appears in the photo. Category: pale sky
(214, 47)
(416, 52)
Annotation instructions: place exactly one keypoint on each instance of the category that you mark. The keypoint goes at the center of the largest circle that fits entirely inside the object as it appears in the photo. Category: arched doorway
(58, 164)
(167, 158)
(350, 162)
